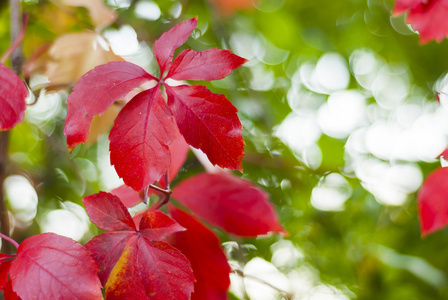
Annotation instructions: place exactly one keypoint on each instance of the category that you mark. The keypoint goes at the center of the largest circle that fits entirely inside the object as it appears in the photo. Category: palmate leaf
(12, 98)
(428, 17)
(226, 201)
(138, 264)
(48, 266)
(144, 129)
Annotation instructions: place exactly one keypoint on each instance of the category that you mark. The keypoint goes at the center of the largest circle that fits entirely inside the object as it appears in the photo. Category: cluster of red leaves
(147, 125)
(151, 255)
(428, 17)
(223, 200)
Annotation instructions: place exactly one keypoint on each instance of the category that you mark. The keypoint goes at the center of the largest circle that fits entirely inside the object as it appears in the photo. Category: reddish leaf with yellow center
(12, 98)
(203, 249)
(138, 264)
(226, 201)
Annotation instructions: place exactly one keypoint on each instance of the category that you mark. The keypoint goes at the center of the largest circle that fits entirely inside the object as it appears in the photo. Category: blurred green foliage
(366, 249)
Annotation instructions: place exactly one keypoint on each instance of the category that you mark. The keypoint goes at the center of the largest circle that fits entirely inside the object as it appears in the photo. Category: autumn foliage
(169, 250)
(151, 255)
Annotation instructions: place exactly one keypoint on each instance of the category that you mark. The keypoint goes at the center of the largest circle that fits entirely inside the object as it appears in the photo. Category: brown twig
(166, 191)
(16, 29)
(4, 217)
(16, 42)
(16, 63)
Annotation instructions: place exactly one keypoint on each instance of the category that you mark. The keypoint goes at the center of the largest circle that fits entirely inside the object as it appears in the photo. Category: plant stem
(4, 217)
(7, 238)
(159, 189)
(166, 192)
(16, 63)
(16, 42)
(16, 29)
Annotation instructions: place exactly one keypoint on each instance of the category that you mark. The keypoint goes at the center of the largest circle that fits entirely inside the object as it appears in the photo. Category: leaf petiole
(166, 192)
(9, 240)
(16, 43)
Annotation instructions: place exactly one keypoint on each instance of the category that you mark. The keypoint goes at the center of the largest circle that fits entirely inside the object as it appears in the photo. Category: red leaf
(156, 226)
(150, 270)
(8, 293)
(433, 202)
(209, 122)
(179, 151)
(224, 200)
(140, 138)
(95, 92)
(428, 17)
(106, 249)
(203, 249)
(137, 265)
(4, 269)
(212, 64)
(49, 266)
(402, 6)
(165, 46)
(108, 212)
(12, 98)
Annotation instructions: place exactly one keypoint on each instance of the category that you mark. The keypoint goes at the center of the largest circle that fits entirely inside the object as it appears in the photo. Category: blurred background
(340, 119)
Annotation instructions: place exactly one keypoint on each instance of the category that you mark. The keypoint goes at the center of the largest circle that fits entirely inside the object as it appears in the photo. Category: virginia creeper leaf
(108, 215)
(179, 151)
(95, 92)
(5, 264)
(140, 138)
(150, 270)
(226, 201)
(428, 17)
(49, 266)
(8, 293)
(106, 248)
(209, 122)
(203, 249)
(165, 46)
(212, 64)
(12, 98)
(433, 202)
(138, 264)
(401, 6)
